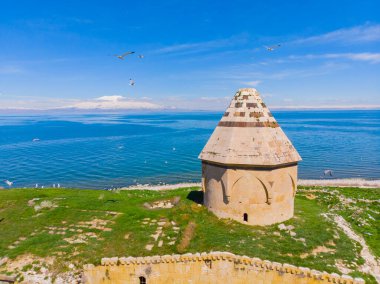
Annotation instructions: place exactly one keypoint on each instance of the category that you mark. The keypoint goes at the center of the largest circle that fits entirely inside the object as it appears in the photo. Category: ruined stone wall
(214, 267)
(265, 195)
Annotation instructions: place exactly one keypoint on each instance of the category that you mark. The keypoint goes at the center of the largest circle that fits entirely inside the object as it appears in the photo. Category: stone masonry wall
(264, 196)
(214, 267)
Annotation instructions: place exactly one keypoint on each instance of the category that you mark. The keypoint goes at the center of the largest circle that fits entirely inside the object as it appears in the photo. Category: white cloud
(357, 34)
(113, 102)
(365, 56)
(10, 69)
(361, 56)
(215, 99)
(323, 107)
(252, 83)
(267, 95)
(187, 48)
(101, 103)
(287, 100)
(110, 98)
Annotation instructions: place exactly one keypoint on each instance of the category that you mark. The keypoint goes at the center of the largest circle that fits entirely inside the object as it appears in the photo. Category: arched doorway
(142, 280)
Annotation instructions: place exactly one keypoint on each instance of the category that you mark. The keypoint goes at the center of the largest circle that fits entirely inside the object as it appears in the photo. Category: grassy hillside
(62, 229)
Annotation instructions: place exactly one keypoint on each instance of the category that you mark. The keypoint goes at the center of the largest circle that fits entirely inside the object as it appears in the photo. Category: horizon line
(173, 109)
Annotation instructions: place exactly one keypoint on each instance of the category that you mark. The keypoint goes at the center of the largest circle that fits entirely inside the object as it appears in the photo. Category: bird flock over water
(123, 56)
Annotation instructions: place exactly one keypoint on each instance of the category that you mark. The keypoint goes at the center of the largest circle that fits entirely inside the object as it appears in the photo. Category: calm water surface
(113, 150)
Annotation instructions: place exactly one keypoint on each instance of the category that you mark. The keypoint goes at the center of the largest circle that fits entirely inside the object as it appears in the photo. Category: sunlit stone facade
(249, 166)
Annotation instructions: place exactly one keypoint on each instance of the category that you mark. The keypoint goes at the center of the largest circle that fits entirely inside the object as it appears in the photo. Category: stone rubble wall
(213, 267)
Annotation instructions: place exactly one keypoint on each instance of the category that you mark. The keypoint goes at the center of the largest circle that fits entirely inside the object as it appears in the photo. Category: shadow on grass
(196, 196)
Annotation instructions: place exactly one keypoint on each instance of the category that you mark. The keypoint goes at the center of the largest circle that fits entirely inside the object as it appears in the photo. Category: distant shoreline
(37, 112)
(349, 182)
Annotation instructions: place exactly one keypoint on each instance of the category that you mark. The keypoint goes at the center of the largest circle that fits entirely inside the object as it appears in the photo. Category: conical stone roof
(248, 134)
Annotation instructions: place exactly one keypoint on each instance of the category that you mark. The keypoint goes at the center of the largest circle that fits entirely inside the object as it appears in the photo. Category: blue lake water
(114, 150)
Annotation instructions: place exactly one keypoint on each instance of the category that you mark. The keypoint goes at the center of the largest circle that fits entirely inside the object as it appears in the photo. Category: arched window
(142, 280)
(245, 217)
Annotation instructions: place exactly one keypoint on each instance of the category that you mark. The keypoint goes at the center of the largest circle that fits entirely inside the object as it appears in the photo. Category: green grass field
(64, 227)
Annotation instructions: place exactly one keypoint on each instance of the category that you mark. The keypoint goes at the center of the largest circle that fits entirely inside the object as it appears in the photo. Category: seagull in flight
(273, 47)
(141, 56)
(9, 183)
(124, 55)
(131, 82)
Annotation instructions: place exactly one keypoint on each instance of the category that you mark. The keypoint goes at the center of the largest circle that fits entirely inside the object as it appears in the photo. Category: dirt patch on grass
(318, 250)
(196, 207)
(187, 235)
(311, 196)
(163, 204)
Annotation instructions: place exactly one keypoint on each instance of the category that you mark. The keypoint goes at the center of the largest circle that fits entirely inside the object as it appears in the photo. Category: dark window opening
(208, 263)
(245, 217)
(142, 280)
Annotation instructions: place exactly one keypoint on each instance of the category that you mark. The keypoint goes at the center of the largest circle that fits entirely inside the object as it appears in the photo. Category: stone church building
(249, 166)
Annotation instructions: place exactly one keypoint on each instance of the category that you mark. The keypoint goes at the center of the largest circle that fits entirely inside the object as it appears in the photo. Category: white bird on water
(328, 173)
(36, 140)
(124, 55)
(9, 183)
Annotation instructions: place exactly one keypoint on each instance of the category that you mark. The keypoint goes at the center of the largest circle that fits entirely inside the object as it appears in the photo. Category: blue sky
(197, 53)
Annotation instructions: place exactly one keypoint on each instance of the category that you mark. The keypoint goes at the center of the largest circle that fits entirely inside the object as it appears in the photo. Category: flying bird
(9, 183)
(141, 56)
(273, 47)
(328, 173)
(131, 82)
(124, 55)
(36, 140)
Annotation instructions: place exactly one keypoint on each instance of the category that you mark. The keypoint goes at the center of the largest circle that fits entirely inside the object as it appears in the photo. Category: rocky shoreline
(354, 182)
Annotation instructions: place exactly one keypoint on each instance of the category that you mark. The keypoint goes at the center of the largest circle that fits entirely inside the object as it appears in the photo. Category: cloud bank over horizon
(174, 103)
(115, 102)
